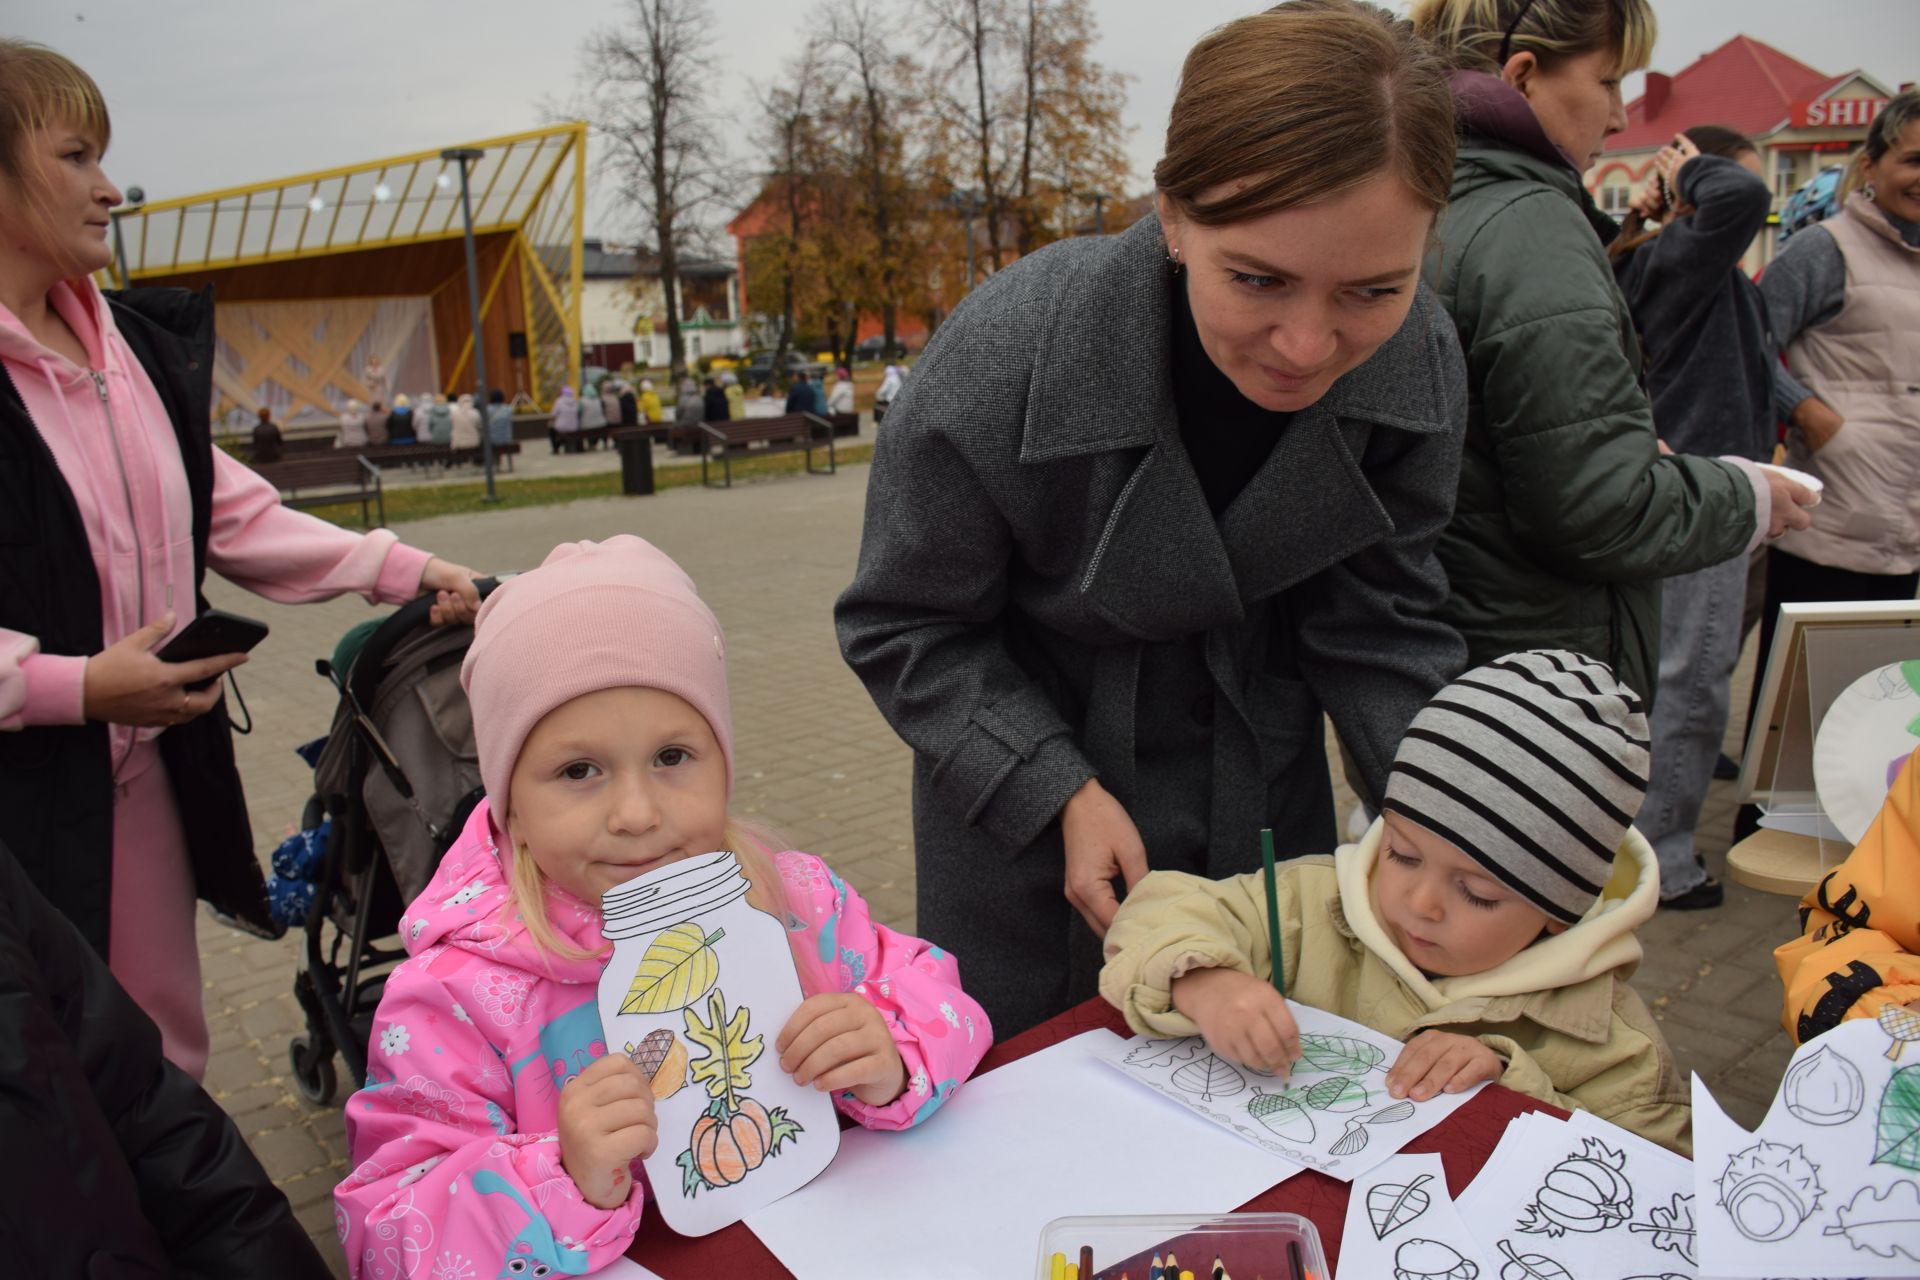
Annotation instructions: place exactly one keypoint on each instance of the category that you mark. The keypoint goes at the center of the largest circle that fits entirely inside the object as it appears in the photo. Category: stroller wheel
(313, 1073)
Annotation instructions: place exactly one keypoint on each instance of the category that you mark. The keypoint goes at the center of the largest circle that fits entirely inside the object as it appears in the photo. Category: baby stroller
(396, 778)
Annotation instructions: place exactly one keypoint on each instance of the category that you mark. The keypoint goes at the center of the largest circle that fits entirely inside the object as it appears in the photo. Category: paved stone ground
(815, 760)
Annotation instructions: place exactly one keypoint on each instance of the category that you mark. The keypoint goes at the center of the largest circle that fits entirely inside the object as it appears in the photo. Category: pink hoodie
(455, 1137)
(109, 433)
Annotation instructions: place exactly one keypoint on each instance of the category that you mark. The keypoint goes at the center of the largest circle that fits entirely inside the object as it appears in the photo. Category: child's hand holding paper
(838, 1040)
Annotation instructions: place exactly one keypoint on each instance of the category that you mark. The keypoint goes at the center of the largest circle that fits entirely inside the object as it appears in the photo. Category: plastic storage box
(1249, 1246)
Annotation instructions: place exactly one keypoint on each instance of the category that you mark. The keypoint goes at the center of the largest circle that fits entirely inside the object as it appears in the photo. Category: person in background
(1709, 374)
(884, 396)
(466, 424)
(1113, 614)
(400, 429)
(818, 387)
(841, 401)
(377, 417)
(499, 417)
(736, 395)
(1486, 918)
(651, 412)
(1843, 298)
(1568, 515)
(563, 428)
(714, 402)
(118, 787)
(689, 411)
(136, 1170)
(353, 427)
(593, 416)
(610, 401)
(800, 394)
(1859, 949)
(266, 436)
(629, 406)
(439, 420)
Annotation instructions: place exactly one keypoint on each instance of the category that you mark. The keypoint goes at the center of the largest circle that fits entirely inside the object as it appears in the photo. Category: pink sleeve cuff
(56, 689)
(400, 575)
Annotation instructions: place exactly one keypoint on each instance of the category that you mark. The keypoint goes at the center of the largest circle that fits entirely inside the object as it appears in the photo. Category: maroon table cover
(1463, 1140)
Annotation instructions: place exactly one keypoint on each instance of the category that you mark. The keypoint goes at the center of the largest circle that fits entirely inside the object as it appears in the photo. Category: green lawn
(423, 502)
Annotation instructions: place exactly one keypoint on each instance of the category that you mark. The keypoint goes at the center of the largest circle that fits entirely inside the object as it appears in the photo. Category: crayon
(1072, 1272)
(1057, 1267)
(1186, 1275)
(1086, 1262)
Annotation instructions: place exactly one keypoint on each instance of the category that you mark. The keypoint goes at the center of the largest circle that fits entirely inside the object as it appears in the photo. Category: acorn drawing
(664, 1060)
(1769, 1190)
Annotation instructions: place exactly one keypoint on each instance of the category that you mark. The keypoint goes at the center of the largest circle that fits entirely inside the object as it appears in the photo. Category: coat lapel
(1307, 508)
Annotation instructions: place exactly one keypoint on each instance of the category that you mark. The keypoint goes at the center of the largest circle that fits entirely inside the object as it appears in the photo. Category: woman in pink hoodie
(496, 1134)
(117, 779)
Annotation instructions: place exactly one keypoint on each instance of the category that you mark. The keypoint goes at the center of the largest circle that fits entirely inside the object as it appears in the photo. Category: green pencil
(1273, 912)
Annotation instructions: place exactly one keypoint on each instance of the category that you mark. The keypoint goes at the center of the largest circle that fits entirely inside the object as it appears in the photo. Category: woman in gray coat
(1152, 502)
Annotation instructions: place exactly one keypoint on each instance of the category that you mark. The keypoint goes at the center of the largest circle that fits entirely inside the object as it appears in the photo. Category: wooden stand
(1779, 862)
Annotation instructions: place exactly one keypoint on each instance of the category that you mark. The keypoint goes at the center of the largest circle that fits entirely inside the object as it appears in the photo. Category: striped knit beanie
(1533, 766)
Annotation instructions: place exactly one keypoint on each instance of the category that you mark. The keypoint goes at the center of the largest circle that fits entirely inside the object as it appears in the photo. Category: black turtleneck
(1227, 436)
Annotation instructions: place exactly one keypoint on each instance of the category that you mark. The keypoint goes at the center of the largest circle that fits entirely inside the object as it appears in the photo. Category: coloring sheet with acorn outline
(1582, 1199)
(697, 1004)
(1402, 1222)
(1829, 1185)
(1332, 1114)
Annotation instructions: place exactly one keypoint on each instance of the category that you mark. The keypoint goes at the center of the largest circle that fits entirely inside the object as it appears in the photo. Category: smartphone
(213, 633)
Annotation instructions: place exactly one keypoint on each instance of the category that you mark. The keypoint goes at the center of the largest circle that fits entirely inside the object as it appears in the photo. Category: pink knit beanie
(594, 615)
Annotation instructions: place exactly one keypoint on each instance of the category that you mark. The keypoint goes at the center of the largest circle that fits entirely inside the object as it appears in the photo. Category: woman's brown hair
(39, 89)
(1480, 35)
(1303, 102)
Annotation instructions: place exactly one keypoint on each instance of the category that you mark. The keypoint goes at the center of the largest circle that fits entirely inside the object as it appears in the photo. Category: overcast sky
(216, 93)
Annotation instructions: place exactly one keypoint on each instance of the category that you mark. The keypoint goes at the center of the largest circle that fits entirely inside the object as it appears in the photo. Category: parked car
(1815, 201)
(875, 348)
(760, 368)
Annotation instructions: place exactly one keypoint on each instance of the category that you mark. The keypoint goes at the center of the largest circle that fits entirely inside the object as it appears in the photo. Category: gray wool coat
(1043, 597)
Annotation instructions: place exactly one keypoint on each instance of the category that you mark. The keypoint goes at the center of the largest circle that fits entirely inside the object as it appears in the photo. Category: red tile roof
(1744, 84)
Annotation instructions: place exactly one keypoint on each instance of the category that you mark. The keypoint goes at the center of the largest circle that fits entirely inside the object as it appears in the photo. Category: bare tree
(976, 100)
(1071, 109)
(650, 73)
(791, 145)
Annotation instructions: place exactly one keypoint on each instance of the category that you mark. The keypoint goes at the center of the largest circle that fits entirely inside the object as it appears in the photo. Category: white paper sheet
(1586, 1197)
(964, 1195)
(1402, 1221)
(1333, 1114)
(698, 989)
(1829, 1185)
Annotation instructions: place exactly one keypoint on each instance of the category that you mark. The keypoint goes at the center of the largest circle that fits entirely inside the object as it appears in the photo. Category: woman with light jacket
(1568, 514)
(1153, 502)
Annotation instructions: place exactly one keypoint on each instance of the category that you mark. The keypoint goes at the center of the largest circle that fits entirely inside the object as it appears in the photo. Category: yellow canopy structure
(351, 282)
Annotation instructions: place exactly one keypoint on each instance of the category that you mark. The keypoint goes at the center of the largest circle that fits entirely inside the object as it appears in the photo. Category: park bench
(753, 437)
(845, 424)
(326, 481)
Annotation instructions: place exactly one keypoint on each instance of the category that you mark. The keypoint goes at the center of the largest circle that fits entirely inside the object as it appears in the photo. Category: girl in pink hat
(479, 1134)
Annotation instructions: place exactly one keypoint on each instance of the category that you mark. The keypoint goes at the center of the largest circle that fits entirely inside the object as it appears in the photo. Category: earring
(1868, 192)
(1173, 256)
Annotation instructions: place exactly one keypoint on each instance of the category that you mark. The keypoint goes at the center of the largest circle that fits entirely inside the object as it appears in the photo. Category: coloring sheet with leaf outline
(698, 988)
(1829, 1185)
(1585, 1199)
(1332, 1114)
(1402, 1222)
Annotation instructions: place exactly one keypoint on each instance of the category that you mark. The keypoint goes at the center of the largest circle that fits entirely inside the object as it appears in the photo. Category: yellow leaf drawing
(678, 968)
(729, 1050)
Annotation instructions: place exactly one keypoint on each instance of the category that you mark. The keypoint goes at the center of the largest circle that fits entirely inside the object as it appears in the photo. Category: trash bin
(636, 460)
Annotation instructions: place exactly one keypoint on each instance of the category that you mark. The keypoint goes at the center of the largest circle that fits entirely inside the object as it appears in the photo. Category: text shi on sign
(1841, 113)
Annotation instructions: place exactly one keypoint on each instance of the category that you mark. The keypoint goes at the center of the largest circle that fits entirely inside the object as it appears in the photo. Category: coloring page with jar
(1829, 1184)
(1332, 1113)
(699, 987)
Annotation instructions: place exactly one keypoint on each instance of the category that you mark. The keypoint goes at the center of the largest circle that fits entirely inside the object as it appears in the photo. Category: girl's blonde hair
(1480, 35)
(1301, 103)
(42, 89)
(752, 843)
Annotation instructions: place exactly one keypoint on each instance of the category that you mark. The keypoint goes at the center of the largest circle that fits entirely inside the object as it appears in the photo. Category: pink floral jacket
(455, 1143)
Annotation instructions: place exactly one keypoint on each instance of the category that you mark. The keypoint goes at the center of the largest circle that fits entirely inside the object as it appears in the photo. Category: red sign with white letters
(1836, 113)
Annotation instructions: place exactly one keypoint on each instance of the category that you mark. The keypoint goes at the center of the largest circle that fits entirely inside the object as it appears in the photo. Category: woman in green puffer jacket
(1569, 513)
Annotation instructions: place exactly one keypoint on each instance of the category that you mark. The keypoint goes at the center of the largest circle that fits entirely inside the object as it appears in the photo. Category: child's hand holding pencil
(1242, 1018)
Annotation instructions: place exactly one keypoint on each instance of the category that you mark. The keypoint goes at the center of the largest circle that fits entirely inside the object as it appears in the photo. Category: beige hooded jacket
(1560, 1012)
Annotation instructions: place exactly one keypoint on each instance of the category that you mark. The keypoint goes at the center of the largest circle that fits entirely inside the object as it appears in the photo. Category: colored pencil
(1156, 1270)
(1273, 912)
(1293, 1260)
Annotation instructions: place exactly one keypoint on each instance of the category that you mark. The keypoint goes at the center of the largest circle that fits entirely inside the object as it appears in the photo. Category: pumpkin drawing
(725, 1152)
(1432, 1260)
(1585, 1192)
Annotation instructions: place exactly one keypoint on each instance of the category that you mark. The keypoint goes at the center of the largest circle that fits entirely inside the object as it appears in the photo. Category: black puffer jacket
(117, 1164)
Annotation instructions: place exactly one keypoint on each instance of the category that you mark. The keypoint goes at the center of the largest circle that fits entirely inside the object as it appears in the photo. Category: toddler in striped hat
(1486, 919)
